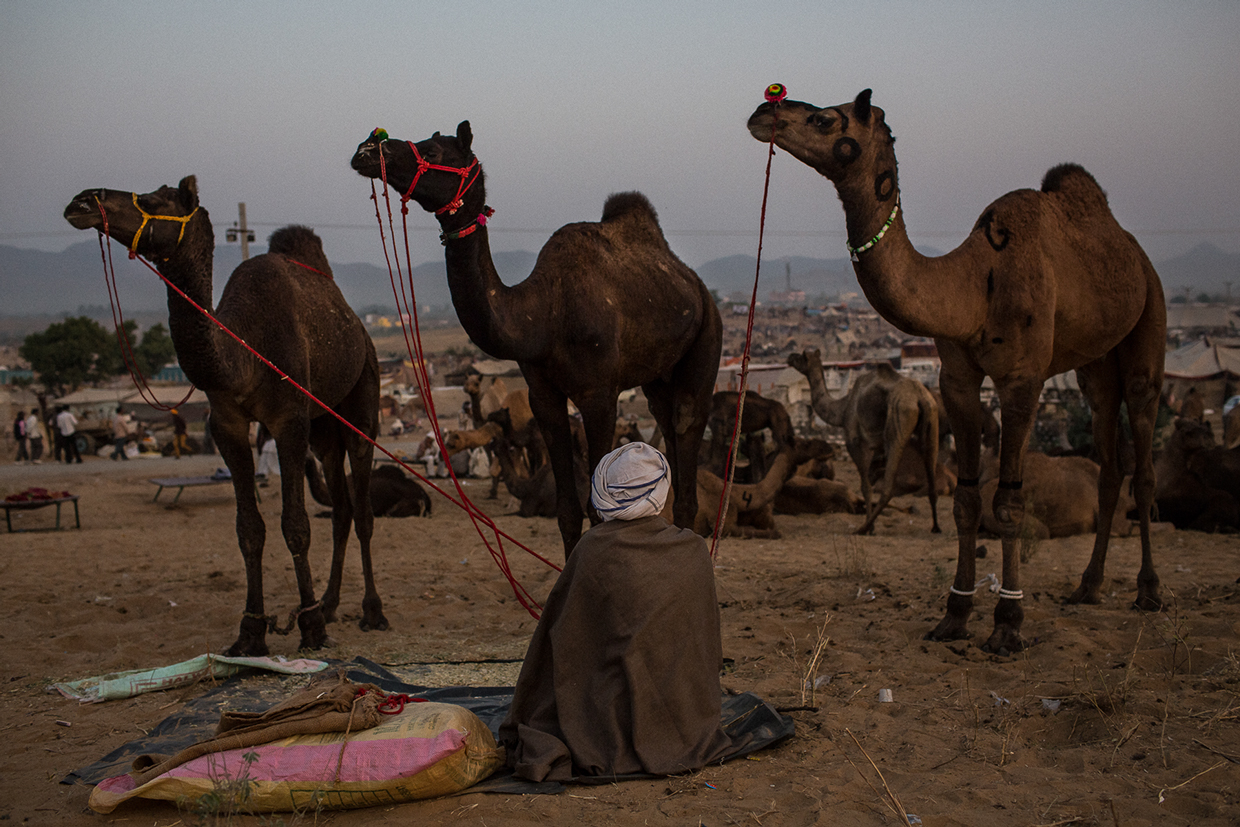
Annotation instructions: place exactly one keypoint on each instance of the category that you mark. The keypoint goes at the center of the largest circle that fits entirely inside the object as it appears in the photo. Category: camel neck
(830, 410)
(920, 295)
(496, 316)
(199, 343)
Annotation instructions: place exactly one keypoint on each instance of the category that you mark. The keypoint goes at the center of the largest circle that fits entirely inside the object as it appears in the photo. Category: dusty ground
(1146, 730)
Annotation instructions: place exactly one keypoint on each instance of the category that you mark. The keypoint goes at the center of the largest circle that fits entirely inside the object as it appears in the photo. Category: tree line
(80, 351)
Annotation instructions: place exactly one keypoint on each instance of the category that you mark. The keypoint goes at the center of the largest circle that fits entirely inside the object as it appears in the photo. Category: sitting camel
(1060, 499)
(392, 492)
(1183, 496)
(807, 495)
(536, 491)
(750, 510)
(479, 437)
(880, 414)
(607, 307)
(286, 306)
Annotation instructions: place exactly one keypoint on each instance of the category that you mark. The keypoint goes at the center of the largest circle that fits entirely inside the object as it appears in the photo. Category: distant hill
(36, 282)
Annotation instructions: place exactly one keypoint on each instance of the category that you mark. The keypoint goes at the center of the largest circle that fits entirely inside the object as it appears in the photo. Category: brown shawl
(622, 673)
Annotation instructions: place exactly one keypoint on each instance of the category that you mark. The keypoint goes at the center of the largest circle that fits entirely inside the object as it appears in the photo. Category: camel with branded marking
(607, 307)
(1047, 281)
(286, 306)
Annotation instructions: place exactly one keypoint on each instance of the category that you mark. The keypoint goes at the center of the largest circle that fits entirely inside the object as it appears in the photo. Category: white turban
(630, 482)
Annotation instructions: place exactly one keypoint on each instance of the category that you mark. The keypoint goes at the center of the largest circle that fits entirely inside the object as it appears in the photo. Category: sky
(570, 101)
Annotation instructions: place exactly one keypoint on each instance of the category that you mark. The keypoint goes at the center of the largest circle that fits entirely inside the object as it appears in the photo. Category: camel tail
(318, 488)
(621, 204)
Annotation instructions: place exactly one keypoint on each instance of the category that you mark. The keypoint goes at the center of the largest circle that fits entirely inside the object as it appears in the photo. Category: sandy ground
(1145, 732)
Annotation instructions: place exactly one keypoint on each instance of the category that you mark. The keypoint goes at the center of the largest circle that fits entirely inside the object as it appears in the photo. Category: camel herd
(1047, 281)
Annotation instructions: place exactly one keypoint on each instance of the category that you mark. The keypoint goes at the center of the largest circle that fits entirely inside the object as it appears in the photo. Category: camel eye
(821, 121)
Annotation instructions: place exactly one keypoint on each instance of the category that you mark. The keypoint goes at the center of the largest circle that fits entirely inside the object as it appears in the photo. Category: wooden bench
(30, 505)
(181, 483)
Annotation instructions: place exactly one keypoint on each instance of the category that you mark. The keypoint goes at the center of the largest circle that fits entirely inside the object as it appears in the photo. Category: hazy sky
(570, 101)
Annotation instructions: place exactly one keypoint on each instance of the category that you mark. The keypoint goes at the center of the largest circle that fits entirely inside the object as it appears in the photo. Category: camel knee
(1009, 510)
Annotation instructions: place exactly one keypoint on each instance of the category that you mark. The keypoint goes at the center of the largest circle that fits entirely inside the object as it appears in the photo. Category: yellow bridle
(146, 216)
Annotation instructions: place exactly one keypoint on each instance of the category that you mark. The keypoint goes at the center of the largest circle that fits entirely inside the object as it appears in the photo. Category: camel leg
(899, 428)
(232, 436)
(361, 461)
(863, 457)
(292, 443)
(550, 407)
(1100, 383)
(681, 412)
(928, 435)
(1019, 400)
(960, 383)
(326, 440)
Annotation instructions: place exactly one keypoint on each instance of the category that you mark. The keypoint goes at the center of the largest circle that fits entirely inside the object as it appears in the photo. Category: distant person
(35, 436)
(19, 436)
(66, 427)
(179, 429)
(268, 458)
(120, 434)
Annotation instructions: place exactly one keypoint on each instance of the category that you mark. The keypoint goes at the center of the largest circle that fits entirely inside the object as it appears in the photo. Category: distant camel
(1183, 497)
(806, 495)
(536, 492)
(1046, 281)
(287, 307)
(760, 413)
(1059, 499)
(392, 492)
(455, 441)
(880, 414)
(750, 506)
(607, 307)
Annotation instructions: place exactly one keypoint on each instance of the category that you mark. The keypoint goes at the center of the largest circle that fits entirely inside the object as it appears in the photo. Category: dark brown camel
(760, 414)
(287, 307)
(1047, 281)
(607, 307)
(393, 493)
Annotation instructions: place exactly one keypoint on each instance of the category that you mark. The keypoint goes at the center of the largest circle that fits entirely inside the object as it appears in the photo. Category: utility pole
(239, 231)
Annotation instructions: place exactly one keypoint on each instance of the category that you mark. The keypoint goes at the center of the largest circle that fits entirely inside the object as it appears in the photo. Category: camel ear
(465, 135)
(188, 192)
(861, 106)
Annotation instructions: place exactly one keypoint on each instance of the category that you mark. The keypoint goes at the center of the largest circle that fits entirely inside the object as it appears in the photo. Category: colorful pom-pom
(776, 92)
(379, 134)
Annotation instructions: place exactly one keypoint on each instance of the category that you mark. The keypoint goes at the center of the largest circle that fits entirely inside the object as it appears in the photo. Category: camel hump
(300, 243)
(1073, 181)
(621, 204)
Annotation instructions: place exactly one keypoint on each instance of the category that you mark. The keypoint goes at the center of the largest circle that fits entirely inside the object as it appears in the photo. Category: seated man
(622, 673)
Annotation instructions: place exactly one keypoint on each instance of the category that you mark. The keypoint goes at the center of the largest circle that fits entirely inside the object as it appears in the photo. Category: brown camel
(287, 307)
(1060, 499)
(760, 413)
(536, 492)
(750, 513)
(1047, 281)
(807, 495)
(479, 437)
(607, 307)
(880, 414)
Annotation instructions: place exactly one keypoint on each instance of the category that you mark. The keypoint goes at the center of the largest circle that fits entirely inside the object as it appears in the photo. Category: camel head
(152, 224)
(803, 362)
(840, 142)
(431, 172)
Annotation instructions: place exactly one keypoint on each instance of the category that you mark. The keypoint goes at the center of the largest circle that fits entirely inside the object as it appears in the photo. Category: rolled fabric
(631, 482)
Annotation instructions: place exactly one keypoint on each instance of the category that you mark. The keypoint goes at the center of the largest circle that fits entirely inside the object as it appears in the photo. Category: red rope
(118, 321)
(729, 466)
(406, 302)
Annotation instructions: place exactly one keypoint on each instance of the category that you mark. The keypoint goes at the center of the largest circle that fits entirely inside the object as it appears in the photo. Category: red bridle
(469, 174)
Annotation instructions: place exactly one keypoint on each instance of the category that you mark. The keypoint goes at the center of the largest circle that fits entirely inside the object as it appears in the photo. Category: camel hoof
(251, 640)
(329, 614)
(1084, 595)
(379, 624)
(313, 629)
(949, 629)
(1148, 602)
(1005, 641)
